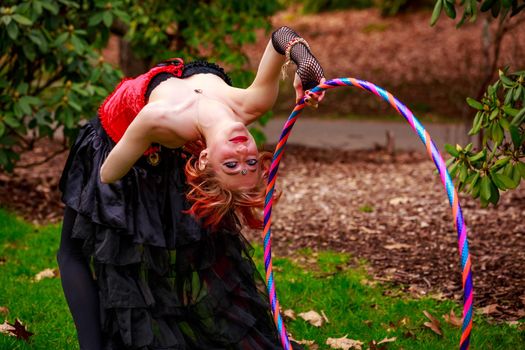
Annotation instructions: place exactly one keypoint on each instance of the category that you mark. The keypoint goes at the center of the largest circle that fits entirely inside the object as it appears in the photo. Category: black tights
(79, 287)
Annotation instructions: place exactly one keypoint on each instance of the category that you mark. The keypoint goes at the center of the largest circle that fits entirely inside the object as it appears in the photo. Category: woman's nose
(241, 149)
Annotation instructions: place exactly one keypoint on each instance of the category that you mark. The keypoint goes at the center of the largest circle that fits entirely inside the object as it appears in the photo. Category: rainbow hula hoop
(445, 179)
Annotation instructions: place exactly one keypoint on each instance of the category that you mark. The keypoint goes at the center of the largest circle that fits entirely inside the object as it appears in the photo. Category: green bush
(51, 71)
(498, 166)
(500, 118)
(471, 8)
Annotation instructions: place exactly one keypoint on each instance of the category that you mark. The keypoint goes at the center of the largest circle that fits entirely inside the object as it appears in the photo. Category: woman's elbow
(104, 176)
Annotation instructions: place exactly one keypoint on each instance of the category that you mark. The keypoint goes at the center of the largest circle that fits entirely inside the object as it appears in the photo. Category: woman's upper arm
(260, 96)
(130, 148)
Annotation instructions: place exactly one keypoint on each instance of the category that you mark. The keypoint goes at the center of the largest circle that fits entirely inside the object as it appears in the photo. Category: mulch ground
(389, 210)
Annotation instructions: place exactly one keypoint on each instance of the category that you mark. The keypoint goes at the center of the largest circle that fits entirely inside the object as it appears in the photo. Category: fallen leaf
(431, 318)
(404, 321)
(305, 342)
(311, 343)
(366, 282)
(396, 246)
(416, 291)
(398, 200)
(489, 309)
(344, 343)
(452, 319)
(324, 316)
(19, 330)
(289, 313)
(312, 317)
(437, 296)
(6, 328)
(47, 273)
(434, 324)
(387, 340)
(433, 327)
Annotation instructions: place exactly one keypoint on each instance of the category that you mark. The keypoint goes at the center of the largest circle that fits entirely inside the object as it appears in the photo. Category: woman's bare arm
(260, 96)
(138, 137)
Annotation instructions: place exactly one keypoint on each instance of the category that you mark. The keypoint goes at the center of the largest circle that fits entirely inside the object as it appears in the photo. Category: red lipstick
(239, 139)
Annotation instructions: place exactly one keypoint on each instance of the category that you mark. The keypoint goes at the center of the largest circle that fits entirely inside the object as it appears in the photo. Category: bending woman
(166, 279)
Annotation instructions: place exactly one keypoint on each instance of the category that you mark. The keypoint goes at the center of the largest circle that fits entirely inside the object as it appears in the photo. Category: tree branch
(26, 143)
(57, 77)
(42, 161)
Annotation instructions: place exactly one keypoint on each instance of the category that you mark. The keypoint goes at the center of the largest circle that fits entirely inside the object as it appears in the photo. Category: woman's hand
(311, 99)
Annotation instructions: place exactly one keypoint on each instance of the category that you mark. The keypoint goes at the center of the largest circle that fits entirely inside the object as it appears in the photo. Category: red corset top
(122, 106)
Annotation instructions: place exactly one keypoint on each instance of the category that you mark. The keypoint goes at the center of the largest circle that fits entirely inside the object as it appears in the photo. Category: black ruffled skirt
(164, 282)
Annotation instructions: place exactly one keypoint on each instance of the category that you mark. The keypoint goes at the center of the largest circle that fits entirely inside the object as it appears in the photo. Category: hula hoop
(433, 153)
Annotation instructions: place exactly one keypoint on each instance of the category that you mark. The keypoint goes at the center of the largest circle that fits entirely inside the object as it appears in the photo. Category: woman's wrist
(287, 42)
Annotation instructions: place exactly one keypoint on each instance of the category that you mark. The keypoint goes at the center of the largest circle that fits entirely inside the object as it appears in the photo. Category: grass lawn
(354, 305)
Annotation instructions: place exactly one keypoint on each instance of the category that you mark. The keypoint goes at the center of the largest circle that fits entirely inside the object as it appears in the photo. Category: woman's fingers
(310, 98)
(313, 99)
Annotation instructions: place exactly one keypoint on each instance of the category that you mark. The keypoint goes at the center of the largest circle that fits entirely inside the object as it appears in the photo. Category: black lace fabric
(164, 282)
(308, 67)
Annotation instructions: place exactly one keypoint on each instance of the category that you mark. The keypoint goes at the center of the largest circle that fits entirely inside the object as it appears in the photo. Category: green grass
(367, 208)
(364, 310)
(40, 306)
(355, 305)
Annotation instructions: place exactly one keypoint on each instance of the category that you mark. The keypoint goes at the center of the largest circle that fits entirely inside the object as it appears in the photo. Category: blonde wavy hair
(213, 204)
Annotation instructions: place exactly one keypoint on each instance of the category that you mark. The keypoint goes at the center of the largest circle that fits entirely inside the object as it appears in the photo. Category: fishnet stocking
(308, 68)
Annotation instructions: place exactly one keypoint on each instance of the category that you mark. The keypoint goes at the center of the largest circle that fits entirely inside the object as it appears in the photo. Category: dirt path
(344, 134)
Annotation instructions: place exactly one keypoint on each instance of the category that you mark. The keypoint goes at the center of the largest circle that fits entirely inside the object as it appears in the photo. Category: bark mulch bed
(389, 210)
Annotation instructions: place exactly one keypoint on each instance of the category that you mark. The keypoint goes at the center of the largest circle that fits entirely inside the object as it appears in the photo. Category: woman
(204, 107)
(166, 279)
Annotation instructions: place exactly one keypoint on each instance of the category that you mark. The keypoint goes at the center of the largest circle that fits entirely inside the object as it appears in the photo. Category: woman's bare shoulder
(169, 123)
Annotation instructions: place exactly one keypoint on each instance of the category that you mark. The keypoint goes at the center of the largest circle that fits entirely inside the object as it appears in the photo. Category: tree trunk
(129, 63)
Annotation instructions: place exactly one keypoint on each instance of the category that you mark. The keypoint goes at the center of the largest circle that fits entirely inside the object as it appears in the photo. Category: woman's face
(233, 155)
